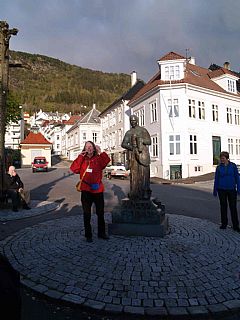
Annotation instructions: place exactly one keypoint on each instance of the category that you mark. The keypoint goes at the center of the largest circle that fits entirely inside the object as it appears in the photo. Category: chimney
(133, 78)
(94, 106)
(226, 65)
(192, 60)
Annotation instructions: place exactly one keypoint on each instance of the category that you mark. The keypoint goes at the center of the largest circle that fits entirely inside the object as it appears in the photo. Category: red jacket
(90, 170)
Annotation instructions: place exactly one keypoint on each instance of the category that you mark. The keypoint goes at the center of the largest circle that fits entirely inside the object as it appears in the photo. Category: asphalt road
(59, 185)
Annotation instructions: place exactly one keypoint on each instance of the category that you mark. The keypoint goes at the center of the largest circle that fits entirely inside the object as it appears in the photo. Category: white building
(192, 114)
(87, 128)
(41, 116)
(115, 122)
(14, 134)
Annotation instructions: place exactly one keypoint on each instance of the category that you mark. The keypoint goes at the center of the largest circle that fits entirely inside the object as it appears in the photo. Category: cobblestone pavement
(37, 208)
(192, 271)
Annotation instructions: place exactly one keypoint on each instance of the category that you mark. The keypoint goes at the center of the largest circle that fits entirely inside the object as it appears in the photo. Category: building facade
(88, 128)
(191, 113)
(115, 122)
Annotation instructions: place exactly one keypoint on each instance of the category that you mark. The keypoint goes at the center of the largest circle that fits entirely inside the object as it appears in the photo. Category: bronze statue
(136, 141)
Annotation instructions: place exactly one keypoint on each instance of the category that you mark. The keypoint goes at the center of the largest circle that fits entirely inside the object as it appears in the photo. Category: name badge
(89, 170)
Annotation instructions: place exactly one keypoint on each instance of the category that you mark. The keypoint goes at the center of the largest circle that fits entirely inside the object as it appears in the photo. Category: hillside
(51, 84)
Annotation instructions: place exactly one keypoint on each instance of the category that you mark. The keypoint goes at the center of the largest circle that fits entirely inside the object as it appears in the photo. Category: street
(59, 185)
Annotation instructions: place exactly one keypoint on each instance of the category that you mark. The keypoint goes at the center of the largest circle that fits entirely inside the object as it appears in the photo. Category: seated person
(15, 189)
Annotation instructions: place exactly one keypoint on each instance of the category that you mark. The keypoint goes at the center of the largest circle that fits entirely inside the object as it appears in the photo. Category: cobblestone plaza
(194, 270)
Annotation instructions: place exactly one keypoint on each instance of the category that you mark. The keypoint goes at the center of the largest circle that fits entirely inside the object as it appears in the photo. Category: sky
(126, 35)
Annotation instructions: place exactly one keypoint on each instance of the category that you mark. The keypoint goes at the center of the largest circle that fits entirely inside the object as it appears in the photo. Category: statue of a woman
(136, 141)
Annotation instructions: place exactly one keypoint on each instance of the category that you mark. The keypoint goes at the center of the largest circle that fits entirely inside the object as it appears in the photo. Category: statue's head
(133, 120)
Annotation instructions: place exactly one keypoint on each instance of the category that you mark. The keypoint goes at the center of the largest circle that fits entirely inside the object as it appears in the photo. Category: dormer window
(231, 85)
(172, 72)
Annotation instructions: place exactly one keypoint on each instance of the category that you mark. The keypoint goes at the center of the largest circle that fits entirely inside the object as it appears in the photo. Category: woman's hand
(98, 149)
(83, 153)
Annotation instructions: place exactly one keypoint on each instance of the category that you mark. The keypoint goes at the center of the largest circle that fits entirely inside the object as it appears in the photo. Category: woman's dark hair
(224, 154)
(94, 147)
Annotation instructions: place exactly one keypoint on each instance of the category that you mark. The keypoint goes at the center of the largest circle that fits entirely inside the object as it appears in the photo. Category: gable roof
(194, 75)
(35, 138)
(128, 95)
(171, 56)
(219, 72)
(91, 117)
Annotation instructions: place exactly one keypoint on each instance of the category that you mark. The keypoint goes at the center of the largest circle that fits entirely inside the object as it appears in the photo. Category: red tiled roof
(194, 75)
(219, 72)
(171, 56)
(73, 119)
(35, 138)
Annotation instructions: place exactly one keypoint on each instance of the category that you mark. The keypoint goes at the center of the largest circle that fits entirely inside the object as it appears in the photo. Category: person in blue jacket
(227, 186)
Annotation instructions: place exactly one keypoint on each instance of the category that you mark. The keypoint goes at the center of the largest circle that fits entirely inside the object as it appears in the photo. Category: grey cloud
(119, 36)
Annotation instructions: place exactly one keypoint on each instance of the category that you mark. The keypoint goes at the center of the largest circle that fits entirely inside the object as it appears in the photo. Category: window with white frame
(76, 138)
(237, 146)
(201, 110)
(120, 137)
(113, 139)
(153, 110)
(71, 140)
(154, 146)
(141, 117)
(167, 72)
(229, 115)
(177, 72)
(191, 108)
(214, 112)
(120, 114)
(173, 108)
(58, 137)
(230, 145)
(231, 85)
(236, 117)
(94, 137)
(172, 72)
(193, 144)
(84, 136)
(174, 144)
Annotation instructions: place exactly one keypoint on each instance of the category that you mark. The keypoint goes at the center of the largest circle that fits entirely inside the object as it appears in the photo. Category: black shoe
(222, 226)
(104, 237)
(14, 209)
(26, 208)
(237, 229)
(89, 239)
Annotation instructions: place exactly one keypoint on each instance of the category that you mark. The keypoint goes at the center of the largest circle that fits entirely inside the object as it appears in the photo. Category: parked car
(39, 164)
(116, 171)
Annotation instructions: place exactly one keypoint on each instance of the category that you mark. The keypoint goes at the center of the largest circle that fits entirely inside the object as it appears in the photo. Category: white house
(65, 127)
(88, 128)
(115, 122)
(191, 113)
(14, 134)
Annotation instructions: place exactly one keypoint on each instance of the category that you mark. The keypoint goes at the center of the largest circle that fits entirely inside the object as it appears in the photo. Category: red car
(39, 164)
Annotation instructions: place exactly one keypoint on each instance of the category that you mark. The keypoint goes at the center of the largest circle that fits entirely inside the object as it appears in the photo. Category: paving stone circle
(193, 270)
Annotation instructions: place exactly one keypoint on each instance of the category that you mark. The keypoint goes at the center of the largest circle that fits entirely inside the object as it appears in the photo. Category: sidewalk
(37, 208)
(190, 180)
(192, 271)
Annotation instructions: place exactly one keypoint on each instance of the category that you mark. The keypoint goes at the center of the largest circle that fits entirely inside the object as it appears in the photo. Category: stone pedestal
(139, 218)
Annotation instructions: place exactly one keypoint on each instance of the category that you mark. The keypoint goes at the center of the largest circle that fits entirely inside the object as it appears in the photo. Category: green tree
(13, 112)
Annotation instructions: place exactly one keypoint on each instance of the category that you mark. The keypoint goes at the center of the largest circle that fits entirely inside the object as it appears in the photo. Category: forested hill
(53, 85)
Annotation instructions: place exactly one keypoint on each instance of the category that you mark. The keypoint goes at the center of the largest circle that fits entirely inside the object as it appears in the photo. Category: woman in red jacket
(89, 164)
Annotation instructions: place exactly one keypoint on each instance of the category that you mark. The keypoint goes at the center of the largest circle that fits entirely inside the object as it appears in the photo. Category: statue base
(139, 218)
